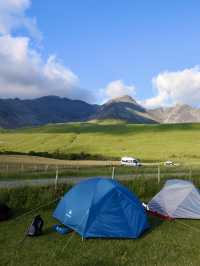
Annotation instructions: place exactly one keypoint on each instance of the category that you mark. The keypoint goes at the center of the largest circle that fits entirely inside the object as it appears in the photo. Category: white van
(129, 161)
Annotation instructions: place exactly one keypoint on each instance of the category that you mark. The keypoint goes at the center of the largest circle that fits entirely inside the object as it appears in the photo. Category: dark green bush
(57, 154)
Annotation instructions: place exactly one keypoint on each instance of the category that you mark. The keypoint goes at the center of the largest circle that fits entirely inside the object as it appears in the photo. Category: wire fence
(34, 171)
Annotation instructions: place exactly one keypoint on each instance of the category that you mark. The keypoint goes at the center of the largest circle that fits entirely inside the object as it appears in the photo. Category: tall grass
(27, 198)
(30, 197)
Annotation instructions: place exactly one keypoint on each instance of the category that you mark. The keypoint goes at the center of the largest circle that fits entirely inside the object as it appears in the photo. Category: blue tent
(102, 208)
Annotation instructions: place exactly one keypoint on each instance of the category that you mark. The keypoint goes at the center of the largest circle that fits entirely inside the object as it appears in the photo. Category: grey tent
(177, 199)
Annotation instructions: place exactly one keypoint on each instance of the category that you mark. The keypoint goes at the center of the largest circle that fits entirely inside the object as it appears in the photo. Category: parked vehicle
(129, 161)
(169, 163)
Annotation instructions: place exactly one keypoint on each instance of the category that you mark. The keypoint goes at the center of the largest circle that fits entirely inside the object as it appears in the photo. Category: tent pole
(56, 179)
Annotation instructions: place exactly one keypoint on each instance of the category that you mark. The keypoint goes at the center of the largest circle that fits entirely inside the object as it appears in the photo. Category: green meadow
(166, 243)
(111, 139)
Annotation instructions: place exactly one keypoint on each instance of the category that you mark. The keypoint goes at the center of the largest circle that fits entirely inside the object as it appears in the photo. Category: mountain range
(16, 113)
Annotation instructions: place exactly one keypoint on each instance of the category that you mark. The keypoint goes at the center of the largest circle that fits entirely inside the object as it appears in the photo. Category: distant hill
(124, 108)
(50, 109)
(180, 113)
(16, 113)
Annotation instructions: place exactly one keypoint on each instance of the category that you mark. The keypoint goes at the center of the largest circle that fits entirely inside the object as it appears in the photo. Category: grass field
(166, 243)
(147, 142)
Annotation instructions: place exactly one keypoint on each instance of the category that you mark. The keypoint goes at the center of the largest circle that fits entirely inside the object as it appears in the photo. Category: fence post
(158, 174)
(22, 168)
(113, 172)
(7, 169)
(56, 179)
(46, 168)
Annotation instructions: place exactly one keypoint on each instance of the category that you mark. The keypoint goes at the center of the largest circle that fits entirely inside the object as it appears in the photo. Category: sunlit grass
(147, 142)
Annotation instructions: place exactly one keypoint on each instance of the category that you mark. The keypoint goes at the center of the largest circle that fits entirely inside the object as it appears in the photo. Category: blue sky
(130, 41)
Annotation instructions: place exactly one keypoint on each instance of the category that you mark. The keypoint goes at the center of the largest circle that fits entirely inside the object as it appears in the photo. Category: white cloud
(24, 73)
(117, 88)
(176, 87)
(12, 16)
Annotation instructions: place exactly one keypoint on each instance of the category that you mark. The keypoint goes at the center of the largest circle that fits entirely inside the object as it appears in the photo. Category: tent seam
(90, 208)
(181, 202)
(129, 226)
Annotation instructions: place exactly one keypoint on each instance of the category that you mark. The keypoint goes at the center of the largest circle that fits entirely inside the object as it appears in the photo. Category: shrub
(57, 154)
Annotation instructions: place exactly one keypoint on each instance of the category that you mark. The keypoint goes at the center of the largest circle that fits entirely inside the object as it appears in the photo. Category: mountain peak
(124, 99)
(181, 105)
(124, 108)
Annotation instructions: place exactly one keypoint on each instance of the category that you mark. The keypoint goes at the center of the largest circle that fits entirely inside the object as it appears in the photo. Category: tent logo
(69, 214)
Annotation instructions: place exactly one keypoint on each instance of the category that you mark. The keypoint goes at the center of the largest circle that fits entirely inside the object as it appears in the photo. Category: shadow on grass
(110, 129)
(154, 222)
(48, 230)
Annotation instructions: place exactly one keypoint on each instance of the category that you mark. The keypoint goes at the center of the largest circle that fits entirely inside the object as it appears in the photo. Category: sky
(96, 50)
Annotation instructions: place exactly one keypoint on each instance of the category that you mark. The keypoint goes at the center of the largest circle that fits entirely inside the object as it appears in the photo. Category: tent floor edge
(161, 216)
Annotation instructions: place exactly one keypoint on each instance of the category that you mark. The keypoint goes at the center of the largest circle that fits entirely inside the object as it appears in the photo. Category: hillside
(124, 108)
(148, 142)
(50, 109)
(16, 113)
(180, 113)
